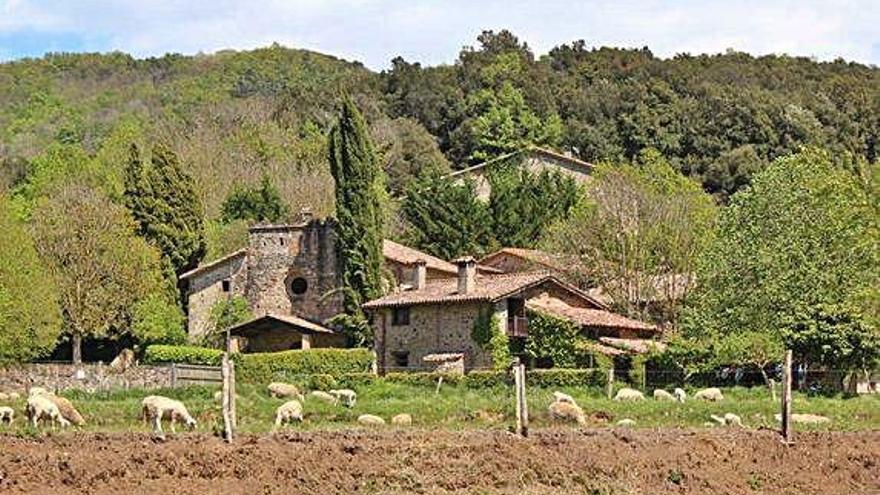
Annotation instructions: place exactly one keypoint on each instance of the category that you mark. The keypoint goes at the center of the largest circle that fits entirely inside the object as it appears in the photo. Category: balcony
(517, 326)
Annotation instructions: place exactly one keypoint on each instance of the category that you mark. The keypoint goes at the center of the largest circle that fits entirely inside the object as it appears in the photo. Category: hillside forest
(754, 180)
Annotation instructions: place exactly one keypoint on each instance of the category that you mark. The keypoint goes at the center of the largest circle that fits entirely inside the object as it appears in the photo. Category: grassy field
(461, 408)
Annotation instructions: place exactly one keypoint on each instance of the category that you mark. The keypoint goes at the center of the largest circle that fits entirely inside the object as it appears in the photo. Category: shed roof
(586, 167)
(585, 316)
(406, 255)
(274, 320)
(214, 264)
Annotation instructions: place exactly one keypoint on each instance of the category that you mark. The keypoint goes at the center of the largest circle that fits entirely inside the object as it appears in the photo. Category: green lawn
(458, 407)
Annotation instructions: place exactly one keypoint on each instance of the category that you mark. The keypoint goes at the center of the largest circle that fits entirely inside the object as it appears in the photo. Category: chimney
(467, 270)
(420, 274)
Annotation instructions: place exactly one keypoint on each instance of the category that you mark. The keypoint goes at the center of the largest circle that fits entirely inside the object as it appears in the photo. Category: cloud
(433, 31)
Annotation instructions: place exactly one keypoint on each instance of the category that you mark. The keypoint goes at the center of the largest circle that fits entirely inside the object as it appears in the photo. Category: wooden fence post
(786, 398)
(609, 386)
(232, 412)
(173, 375)
(522, 409)
(227, 416)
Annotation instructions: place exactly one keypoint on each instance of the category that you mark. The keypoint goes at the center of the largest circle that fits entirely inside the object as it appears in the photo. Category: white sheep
(626, 423)
(563, 397)
(324, 396)
(281, 390)
(402, 419)
(7, 414)
(660, 394)
(68, 411)
(347, 396)
(370, 420)
(806, 419)
(287, 412)
(680, 394)
(729, 419)
(629, 394)
(41, 407)
(156, 407)
(712, 394)
(566, 411)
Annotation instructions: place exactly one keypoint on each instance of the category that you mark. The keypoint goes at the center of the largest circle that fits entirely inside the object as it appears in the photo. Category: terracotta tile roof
(213, 264)
(536, 256)
(584, 316)
(407, 256)
(638, 346)
(487, 288)
(532, 150)
(267, 320)
(589, 345)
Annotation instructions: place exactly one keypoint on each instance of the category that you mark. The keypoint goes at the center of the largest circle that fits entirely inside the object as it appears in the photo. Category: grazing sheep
(402, 419)
(68, 411)
(287, 412)
(7, 414)
(281, 390)
(563, 397)
(370, 420)
(347, 396)
(626, 422)
(712, 394)
(729, 419)
(566, 411)
(805, 419)
(680, 394)
(41, 407)
(324, 396)
(156, 407)
(14, 396)
(629, 394)
(660, 394)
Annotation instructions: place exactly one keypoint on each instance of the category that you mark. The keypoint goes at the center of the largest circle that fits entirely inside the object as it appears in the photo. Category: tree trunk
(76, 347)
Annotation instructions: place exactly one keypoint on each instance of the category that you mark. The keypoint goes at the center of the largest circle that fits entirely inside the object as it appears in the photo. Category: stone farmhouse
(535, 159)
(290, 278)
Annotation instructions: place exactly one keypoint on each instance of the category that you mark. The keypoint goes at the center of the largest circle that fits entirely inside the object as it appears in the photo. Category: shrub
(425, 379)
(297, 366)
(483, 379)
(355, 380)
(321, 381)
(184, 354)
(562, 377)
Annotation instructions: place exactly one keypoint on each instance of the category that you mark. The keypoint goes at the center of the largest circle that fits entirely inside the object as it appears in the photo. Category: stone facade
(432, 329)
(222, 280)
(89, 377)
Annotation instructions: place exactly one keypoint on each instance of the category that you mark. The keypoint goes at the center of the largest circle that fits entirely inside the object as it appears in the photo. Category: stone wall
(432, 329)
(90, 377)
(206, 288)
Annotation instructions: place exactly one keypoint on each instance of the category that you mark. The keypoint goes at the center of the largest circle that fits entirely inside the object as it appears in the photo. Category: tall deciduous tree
(639, 230)
(802, 239)
(163, 201)
(359, 189)
(101, 267)
(30, 316)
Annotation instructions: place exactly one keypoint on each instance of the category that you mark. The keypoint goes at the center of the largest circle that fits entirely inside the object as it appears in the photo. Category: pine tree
(359, 190)
(164, 203)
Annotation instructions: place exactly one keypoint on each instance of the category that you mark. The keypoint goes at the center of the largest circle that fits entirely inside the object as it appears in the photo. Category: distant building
(534, 159)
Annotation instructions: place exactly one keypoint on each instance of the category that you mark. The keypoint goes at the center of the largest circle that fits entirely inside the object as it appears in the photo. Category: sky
(434, 31)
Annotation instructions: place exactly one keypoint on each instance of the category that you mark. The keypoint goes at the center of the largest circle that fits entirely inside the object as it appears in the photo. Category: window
(400, 316)
(298, 286)
(281, 240)
(401, 359)
(225, 285)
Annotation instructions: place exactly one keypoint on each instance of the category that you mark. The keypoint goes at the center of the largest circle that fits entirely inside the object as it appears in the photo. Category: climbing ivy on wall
(488, 335)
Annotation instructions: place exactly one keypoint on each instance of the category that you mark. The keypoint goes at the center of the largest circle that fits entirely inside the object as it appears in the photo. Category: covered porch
(275, 332)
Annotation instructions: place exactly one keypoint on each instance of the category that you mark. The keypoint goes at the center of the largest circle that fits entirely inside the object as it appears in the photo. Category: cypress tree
(357, 173)
(163, 201)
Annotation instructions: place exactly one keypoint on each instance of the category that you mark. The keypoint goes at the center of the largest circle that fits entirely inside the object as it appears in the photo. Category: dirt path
(550, 461)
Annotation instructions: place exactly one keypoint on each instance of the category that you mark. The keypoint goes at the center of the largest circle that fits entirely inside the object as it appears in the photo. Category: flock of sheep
(292, 410)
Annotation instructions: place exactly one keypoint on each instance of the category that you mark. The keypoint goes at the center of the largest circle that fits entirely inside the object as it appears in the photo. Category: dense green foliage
(158, 320)
(359, 215)
(30, 315)
(182, 354)
(225, 314)
(259, 204)
(552, 341)
(487, 333)
(292, 366)
(164, 204)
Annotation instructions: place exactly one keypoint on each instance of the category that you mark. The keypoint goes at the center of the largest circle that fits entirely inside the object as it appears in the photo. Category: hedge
(562, 377)
(297, 366)
(185, 354)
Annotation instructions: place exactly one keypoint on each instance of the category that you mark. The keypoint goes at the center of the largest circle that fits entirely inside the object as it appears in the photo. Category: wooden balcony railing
(517, 326)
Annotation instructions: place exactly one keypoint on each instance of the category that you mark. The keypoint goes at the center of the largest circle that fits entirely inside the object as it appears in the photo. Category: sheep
(680, 394)
(729, 419)
(324, 396)
(347, 396)
(629, 394)
(68, 411)
(402, 419)
(41, 407)
(370, 420)
(156, 407)
(566, 411)
(287, 412)
(563, 397)
(626, 423)
(281, 390)
(7, 414)
(807, 419)
(124, 360)
(712, 394)
(660, 394)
